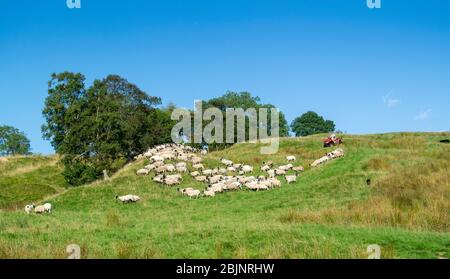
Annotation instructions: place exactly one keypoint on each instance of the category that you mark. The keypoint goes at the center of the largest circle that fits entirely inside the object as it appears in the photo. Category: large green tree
(13, 142)
(100, 127)
(245, 101)
(311, 123)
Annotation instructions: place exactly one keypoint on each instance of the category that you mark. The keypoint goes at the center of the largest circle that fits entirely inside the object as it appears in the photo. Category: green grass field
(329, 213)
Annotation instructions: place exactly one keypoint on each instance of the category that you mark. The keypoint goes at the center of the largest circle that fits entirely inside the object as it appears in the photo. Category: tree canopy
(13, 142)
(245, 101)
(100, 127)
(311, 123)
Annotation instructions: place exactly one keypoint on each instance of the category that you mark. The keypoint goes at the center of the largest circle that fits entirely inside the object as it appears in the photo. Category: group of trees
(13, 142)
(103, 126)
(100, 127)
(245, 101)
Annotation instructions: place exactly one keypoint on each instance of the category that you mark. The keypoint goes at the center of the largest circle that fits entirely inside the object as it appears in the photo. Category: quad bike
(332, 141)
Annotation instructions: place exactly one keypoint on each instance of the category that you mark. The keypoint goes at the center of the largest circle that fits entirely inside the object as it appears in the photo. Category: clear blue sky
(368, 70)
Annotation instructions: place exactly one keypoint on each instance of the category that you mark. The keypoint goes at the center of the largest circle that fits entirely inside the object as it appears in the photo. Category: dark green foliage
(13, 142)
(311, 123)
(245, 101)
(102, 127)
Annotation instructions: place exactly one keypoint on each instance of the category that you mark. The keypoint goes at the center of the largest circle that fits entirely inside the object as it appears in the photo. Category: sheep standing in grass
(201, 178)
(299, 168)
(209, 193)
(198, 166)
(291, 158)
(40, 209)
(247, 169)
(265, 168)
(291, 178)
(48, 207)
(128, 198)
(142, 172)
(29, 208)
(226, 162)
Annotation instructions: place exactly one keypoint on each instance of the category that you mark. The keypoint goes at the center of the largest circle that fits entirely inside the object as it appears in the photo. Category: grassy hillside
(329, 213)
(26, 179)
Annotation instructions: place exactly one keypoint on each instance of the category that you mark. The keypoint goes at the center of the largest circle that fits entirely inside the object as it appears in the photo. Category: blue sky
(369, 70)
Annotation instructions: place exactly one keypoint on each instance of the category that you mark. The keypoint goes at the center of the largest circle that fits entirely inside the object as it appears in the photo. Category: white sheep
(128, 198)
(291, 158)
(298, 168)
(226, 162)
(29, 208)
(291, 178)
(209, 193)
(207, 172)
(48, 207)
(198, 166)
(40, 209)
(280, 171)
(265, 168)
(247, 168)
(201, 178)
(195, 173)
(157, 158)
(142, 172)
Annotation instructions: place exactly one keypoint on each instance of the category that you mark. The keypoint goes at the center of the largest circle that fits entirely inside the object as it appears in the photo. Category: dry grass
(415, 198)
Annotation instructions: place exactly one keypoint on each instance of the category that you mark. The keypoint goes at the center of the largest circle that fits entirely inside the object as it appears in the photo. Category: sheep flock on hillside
(169, 161)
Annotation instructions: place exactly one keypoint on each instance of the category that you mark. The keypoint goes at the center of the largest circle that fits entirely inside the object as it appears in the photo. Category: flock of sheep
(40, 209)
(230, 176)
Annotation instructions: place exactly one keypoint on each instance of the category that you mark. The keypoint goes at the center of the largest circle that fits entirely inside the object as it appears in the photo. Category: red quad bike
(331, 141)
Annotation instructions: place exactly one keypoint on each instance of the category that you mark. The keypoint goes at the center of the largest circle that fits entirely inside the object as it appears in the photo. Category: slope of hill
(329, 213)
(24, 179)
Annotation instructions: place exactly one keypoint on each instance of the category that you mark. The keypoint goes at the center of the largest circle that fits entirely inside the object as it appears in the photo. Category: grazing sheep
(265, 168)
(198, 166)
(170, 168)
(299, 168)
(269, 163)
(195, 173)
(209, 193)
(156, 158)
(280, 172)
(291, 178)
(222, 171)
(48, 207)
(181, 165)
(320, 161)
(128, 198)
(215, 179)
(271, 173)
(275, 182)
(201, 178)
(231, 169)
(192, 193)
(150, 167)
(182, 169)
(291, 158)
(204, 152)
(233, 186)
(29, 208)
(237, 166)
(142, 172)
(247, 169)
(226, 162)
(207, 172)
(40, 209)
(196, 160)
(159, 178)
